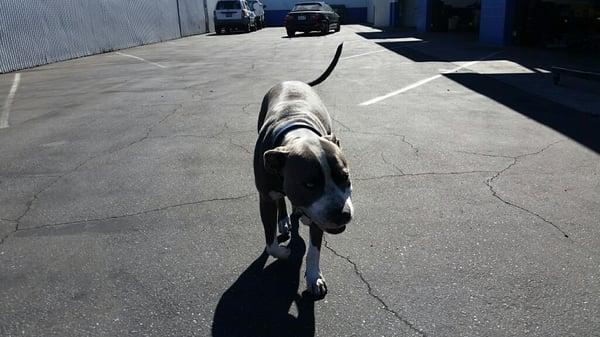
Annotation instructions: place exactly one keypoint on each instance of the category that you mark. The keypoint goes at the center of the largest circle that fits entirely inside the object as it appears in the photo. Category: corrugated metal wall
(193, 17)
(39, 32)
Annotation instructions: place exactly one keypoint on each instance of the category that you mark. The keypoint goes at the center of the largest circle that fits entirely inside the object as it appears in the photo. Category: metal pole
(179, 18)
(206, 17)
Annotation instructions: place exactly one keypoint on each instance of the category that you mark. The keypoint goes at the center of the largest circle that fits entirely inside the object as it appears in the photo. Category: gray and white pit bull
(297, 156)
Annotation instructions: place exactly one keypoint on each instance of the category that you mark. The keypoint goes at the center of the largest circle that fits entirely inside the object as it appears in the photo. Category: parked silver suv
(234, 14)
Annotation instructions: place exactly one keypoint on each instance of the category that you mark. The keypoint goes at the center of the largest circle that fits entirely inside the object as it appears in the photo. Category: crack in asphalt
(420, 174)
(231, 142)
(486, 154)
(245, 109)
(29, 176)
(151, 128)
(342, 124)
(35, 196)
(402, 138)
(11, 232)
(386, 307)
(515, 159)
(392, 164)
(159, 209)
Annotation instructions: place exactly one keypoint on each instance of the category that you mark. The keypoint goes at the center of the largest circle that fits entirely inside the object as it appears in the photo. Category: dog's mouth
(330, 230)
(335, 230)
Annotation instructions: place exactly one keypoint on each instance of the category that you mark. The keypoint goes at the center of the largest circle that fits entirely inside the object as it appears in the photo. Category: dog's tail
(329, 69)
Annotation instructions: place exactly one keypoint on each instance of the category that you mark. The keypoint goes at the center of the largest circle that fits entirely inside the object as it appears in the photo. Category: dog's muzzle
(335, 230)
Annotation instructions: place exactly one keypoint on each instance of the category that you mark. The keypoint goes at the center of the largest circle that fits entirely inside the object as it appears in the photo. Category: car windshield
(228, 5)
(307, 7)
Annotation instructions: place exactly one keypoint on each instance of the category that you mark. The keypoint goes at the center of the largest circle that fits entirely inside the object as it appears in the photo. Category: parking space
(128, 206)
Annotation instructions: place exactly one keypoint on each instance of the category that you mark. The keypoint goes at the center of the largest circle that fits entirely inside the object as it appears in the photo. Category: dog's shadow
(259, 302)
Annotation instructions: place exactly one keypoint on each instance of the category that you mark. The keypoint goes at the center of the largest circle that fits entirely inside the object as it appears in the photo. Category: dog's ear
(332, 138)
(275, 159)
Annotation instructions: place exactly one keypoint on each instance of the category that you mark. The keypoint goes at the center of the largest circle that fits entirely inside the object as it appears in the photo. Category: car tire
(290, 32)
(218, 30)
(337, 27)
(325, 27)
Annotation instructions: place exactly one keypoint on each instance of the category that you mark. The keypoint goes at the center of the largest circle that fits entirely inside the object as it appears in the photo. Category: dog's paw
(278, 252)
(284, 226)
(316, 285)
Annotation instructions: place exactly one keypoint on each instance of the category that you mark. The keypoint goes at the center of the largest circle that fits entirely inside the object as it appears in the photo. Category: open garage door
(455, 15)
(558, 24)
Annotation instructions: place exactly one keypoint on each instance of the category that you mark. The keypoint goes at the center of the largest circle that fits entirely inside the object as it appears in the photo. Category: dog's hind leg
(315, 282)
(268, 215)
(283, 220)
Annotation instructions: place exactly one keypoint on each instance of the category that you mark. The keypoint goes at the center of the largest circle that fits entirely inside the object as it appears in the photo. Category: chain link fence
(39, 32)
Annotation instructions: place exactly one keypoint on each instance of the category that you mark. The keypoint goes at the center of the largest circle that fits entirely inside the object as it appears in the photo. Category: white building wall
(378, 12)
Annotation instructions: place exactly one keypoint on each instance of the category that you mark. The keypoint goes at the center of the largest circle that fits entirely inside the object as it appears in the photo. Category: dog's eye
(310, 185)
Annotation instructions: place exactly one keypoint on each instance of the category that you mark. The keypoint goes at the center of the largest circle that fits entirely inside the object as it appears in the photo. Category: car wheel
(325, 27)
(337, 27)
(290, 32)
(218, 30)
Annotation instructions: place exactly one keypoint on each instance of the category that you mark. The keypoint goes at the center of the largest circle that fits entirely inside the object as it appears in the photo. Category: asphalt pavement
(128, 206)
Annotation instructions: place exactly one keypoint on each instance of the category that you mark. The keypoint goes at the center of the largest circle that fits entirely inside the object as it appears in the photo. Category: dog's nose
(345, 216)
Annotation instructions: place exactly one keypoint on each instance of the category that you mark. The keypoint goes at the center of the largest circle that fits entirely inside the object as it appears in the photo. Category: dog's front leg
(315, 283)
(283, 220)
(268, 215)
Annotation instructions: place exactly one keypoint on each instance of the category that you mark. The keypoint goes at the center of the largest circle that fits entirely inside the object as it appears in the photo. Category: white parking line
(423, 81)
(141, 59)
(9, 100)
(363, 54)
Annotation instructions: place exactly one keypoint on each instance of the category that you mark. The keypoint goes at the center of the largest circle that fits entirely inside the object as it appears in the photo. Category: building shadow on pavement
(531, 92)
(258, 303)
(580, 127)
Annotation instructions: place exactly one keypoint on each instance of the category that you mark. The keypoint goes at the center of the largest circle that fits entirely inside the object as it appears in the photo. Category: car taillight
(288, 18)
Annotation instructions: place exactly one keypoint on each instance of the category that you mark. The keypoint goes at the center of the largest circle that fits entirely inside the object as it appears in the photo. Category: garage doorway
(573, 24)
(455, 16)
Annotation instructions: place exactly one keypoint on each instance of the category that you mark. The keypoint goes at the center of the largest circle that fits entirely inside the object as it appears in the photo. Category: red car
(311, 16)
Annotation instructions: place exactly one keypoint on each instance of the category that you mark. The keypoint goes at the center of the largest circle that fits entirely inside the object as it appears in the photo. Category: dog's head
(316, 180)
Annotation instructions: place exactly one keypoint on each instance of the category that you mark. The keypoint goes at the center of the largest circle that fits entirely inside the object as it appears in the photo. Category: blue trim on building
(394, 14)
(494, 22)
(355, 15)
(422, 13)
(274, 18)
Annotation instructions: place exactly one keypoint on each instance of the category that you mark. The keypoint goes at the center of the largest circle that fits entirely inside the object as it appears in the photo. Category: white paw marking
(284, 225)
(277, 251)
(316, 285)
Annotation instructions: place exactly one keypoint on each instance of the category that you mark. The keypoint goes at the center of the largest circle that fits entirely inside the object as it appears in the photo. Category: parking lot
(128, 206)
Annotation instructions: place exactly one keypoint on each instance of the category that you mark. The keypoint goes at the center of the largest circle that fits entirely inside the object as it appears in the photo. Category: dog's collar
(279, 133)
